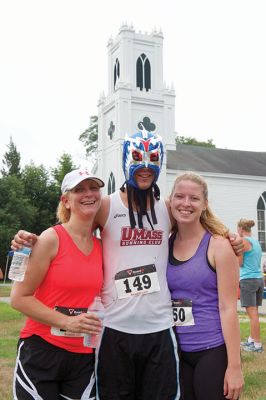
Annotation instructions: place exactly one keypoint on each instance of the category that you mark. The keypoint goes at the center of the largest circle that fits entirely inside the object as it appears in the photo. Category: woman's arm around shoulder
(236, 242)
(102, 214)
(167, 203)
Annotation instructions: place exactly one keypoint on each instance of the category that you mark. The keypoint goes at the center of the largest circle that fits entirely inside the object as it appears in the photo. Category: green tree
(90, 137)
(29, 201)
(43, 194)
(11, 160)
(193, 141)
(65, 165)
(16, 212)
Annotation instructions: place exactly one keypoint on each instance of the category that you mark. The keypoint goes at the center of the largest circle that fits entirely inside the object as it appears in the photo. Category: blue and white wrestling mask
(142, 150)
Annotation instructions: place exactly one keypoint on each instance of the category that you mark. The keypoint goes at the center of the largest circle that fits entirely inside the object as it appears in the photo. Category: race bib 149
(137, 281)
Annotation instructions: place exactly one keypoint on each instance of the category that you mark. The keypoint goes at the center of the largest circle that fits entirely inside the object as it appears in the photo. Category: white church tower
(136, 94)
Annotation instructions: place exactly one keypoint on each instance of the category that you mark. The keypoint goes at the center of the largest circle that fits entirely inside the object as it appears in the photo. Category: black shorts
(202, 374)
(47, 372)
(137, 366)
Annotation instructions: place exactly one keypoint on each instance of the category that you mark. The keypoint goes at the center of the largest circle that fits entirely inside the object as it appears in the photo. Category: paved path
(5, 299)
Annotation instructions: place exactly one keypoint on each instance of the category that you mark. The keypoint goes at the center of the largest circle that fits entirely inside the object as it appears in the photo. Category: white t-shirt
(135, 292)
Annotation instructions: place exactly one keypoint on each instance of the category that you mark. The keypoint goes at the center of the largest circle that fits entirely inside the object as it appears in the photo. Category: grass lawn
(254, 365)
(11, 323)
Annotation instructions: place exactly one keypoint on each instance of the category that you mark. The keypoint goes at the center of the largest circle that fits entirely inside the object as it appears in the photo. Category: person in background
(251, 284)
(203, 275)
(63, 277)
(137, 358)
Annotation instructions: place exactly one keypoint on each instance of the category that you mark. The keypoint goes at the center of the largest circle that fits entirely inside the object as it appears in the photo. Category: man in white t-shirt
(137, 358)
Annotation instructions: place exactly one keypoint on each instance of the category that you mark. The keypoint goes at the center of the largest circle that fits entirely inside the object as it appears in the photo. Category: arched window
(261, 220)
(116, 71)
(143, 72)
(111, 183)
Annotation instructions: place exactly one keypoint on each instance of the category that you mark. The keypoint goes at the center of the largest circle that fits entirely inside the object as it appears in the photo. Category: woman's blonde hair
(62, 213)
(246, 224)
(208, 220)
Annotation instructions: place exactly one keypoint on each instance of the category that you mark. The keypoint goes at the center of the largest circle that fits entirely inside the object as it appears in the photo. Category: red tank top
(72, 281)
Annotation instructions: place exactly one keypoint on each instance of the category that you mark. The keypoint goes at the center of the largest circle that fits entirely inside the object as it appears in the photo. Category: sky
(53, 68)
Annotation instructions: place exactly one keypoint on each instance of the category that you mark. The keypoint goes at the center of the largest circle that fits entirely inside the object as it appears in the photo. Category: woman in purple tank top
(203, 276)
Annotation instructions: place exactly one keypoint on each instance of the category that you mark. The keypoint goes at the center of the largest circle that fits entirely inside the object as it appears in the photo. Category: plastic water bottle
(93, 340)
(19, 264)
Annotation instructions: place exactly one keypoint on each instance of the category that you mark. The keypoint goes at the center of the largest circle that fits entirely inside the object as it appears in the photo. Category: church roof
(223, 161)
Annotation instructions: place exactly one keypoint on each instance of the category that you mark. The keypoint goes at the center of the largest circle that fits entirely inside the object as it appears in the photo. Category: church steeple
(136, 95)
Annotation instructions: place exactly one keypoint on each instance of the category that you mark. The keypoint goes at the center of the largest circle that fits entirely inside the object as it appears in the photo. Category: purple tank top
(195, 281)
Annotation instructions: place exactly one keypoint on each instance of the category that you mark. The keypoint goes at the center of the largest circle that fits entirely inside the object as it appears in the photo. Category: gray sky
(53, 67)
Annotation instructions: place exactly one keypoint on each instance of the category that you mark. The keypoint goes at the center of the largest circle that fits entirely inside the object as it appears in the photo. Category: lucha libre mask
(143, 149)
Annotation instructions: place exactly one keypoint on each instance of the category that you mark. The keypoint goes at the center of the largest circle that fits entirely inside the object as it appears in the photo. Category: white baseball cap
(73, 178)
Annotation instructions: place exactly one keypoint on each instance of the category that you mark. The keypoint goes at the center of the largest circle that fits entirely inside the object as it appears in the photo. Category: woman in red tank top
(61, 281)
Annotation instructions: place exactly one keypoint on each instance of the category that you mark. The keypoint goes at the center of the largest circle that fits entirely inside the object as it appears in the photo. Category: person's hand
(23, 238)
(84, 323)
(233, 383)
(237, 243)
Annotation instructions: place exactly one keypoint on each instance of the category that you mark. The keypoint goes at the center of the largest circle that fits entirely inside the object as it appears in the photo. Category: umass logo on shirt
(138, 237)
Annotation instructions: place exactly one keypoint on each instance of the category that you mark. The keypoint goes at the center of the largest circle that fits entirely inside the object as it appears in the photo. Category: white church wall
(231, 197)
(236, 197)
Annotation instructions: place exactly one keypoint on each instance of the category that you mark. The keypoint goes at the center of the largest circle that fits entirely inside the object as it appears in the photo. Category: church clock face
(111, 130)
